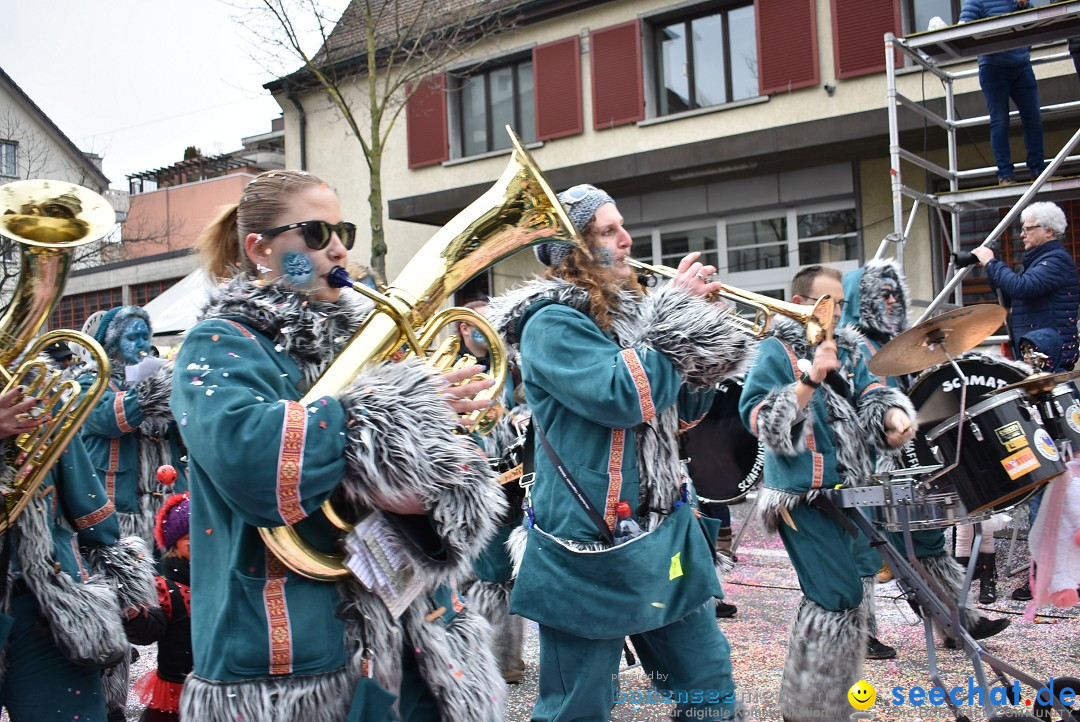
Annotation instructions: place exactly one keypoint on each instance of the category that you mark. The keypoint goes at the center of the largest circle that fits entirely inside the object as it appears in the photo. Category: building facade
(755, 132)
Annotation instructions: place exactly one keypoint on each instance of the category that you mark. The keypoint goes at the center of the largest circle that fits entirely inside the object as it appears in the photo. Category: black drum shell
(725, 460)
(1060, 410)
(1016, 453)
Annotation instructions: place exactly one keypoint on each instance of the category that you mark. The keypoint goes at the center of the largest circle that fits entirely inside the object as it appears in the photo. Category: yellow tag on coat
(676, 567)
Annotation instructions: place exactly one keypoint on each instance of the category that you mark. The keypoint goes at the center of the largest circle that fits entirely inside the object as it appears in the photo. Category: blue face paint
(478, 338)
(604, 257)
(298, 269)
(134, 342)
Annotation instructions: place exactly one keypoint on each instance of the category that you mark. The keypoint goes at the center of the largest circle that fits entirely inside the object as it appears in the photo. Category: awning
(175, 310)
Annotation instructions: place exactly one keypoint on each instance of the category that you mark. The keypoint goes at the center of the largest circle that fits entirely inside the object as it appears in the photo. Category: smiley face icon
(862, 695)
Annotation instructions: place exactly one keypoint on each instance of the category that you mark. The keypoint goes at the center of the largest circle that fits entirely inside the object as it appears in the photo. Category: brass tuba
(49, 220)
(518, 211)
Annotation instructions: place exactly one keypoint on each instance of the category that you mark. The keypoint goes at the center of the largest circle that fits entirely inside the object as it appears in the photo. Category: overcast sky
(137, 81)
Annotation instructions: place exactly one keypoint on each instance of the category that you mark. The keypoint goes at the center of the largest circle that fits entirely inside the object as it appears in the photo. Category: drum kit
(971, 462)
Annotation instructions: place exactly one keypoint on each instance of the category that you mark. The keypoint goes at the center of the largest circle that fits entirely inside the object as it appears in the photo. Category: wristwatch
(805, 378)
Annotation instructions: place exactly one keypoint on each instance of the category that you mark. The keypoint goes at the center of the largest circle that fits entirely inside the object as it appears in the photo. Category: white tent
(175, 310)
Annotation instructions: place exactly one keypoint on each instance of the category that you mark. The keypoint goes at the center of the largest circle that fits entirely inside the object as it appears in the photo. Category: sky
(139, 81)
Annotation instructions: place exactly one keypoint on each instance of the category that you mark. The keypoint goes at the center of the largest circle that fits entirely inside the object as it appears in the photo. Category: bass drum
(935, 393)
(725, 460)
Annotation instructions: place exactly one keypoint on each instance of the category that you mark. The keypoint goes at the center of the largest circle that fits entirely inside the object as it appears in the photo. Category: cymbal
(1040, 383)
(924, 345)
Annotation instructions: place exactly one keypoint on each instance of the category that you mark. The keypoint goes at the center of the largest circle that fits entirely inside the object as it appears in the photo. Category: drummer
(877, 305)
(820, 414)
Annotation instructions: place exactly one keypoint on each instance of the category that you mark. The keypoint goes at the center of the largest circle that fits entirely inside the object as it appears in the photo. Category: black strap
(575, 490)
(825, 505)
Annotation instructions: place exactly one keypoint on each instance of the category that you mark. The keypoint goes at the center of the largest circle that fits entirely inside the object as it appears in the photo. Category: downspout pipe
(292, 96)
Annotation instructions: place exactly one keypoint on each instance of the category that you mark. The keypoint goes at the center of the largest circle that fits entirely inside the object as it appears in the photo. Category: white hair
(1048, 215)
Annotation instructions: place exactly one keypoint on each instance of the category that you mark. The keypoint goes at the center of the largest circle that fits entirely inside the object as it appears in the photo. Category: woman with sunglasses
(269, 644)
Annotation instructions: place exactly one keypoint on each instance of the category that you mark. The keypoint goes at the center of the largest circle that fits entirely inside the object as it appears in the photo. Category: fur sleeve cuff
(781, 423)
(872, 409)
(695, 335)
(153, 394)
(128, 566)
(401, 443)
(771, 501)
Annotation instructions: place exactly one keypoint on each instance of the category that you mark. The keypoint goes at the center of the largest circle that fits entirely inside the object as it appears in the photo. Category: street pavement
(765, 589)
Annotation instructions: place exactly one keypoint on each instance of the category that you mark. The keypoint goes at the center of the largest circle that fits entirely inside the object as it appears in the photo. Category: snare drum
(1005, 451)
(1060, 409)
(935, 394)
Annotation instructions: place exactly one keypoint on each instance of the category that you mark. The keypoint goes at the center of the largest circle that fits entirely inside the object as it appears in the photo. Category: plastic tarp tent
(175, 310)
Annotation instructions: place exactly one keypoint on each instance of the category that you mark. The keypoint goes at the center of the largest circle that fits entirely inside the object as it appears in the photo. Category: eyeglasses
(887, 294)
(317, 234)
(838, 304)
(1028, 229)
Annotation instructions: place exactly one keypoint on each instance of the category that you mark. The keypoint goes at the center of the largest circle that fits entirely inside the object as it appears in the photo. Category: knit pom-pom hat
(173, 521)
(111, 326)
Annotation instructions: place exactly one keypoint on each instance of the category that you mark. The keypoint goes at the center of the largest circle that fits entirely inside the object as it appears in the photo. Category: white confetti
(209, 392)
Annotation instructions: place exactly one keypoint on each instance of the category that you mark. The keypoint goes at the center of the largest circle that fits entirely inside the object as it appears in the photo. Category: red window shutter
(859, 28)
(557, 73)
(787, 45)
(617, 93)
(426, 120)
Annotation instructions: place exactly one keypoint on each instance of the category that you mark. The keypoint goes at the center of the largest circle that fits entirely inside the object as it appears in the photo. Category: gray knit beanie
(580, 203)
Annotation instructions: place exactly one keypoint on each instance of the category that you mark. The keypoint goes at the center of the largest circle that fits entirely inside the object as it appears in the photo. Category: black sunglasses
(317, 234)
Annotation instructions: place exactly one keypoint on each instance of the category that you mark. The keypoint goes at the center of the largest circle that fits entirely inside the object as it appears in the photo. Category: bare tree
(380, 49)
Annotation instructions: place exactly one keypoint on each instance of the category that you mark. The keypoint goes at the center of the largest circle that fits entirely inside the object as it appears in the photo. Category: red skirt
(156, 693)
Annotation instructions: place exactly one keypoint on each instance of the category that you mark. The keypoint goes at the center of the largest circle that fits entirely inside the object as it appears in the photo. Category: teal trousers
(689, 662)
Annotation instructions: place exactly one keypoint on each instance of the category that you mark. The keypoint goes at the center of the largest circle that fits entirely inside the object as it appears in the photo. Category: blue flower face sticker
(298, 269)
(478, 338)
(604, 257)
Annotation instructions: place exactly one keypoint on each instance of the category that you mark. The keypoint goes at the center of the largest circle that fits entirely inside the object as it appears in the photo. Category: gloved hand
(143, 370)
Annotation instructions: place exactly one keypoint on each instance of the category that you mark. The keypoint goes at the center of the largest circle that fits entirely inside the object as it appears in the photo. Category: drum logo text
(1020, 463)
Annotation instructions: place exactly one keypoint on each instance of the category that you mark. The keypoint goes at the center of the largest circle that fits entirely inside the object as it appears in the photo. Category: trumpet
(818, 320)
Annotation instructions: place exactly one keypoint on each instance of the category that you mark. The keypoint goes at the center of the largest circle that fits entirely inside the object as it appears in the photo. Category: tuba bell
(520, 210)
(48, 220)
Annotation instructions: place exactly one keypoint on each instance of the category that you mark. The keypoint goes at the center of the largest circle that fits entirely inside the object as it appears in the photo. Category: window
(8, 158)
(144, 293)
(72, 311)
(760, 252)
(706, 60)
(827, 236)
(919, 13)
(491, 99)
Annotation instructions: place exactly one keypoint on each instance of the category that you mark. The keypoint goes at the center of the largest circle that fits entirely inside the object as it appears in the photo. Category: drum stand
(919, 586)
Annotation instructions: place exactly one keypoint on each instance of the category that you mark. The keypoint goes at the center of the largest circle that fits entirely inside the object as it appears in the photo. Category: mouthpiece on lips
(338, 277)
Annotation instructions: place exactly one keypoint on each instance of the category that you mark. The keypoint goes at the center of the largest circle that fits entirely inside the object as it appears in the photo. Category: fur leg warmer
(153, 394)
(401, 443)
(114, 686)
(868, 608)
(948, 575)
(825, 657)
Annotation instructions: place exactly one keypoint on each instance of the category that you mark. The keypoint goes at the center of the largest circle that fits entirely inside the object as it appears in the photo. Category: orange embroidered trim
(95, 517)
(78, 558)
(121, 417)
(241, 328)
(641, 381)
(618, 447)
(279, 628)
(291, 463)
(871, 387)
(455, 601)
(110, 473)
(687, 425)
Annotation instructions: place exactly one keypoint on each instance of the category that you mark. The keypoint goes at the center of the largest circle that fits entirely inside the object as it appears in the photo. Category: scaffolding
(962, 190)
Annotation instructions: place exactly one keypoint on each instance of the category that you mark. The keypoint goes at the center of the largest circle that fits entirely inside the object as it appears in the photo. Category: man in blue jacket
(1007, 75)
(1045, 292)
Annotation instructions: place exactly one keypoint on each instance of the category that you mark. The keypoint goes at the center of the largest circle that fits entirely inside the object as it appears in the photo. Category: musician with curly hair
(611, 375)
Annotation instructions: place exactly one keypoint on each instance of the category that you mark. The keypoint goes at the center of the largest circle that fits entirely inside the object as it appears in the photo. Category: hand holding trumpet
(696, 277)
